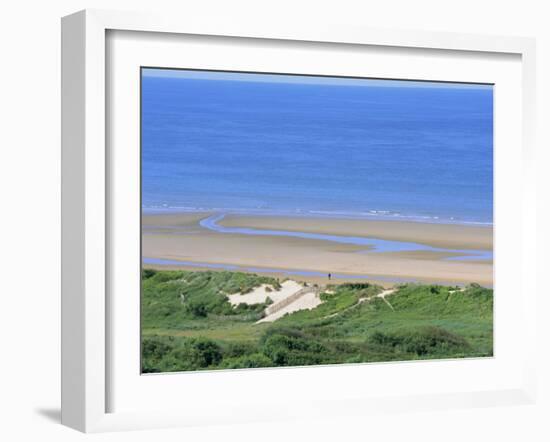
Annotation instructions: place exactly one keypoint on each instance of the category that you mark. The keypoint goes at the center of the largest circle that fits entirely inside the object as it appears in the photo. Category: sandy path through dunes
(259, 294)
(306, 301)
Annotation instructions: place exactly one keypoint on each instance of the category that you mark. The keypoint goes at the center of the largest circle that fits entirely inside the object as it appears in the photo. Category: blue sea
(380, 149)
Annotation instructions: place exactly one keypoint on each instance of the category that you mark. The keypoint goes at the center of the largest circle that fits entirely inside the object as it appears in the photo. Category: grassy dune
(188, 324)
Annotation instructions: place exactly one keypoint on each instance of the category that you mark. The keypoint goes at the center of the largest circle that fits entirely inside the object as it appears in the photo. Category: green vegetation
(189, 324)
(177, 299)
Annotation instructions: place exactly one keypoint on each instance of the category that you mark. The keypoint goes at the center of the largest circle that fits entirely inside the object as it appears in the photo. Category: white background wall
(30, 220)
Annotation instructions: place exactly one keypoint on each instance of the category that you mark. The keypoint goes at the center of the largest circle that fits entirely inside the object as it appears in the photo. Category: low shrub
(148, 273)
(160, 354)
(290, 348)
(421, 341)
(256, 360)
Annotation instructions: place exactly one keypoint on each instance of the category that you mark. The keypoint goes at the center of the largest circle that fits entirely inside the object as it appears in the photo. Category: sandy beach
(452, 236)
(180, 238)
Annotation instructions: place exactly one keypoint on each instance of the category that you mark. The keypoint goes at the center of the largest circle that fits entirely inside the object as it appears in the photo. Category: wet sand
(451, 236)
(179, 237)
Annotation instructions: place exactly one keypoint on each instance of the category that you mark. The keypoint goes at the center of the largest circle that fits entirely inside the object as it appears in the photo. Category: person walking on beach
(329, 276)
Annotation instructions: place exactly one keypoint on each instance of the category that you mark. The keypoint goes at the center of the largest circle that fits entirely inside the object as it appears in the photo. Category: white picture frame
(85, 211)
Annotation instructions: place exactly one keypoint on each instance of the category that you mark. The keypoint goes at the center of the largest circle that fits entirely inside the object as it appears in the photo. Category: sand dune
(307, 301)
(259, 294)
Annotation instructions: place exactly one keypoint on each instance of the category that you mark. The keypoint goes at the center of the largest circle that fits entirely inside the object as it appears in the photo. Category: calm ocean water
(422, 153)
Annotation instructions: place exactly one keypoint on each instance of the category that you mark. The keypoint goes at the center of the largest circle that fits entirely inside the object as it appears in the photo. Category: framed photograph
(262, 222)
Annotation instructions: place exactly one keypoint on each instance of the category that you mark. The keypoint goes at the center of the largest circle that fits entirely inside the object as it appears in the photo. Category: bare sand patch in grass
(259, 294)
